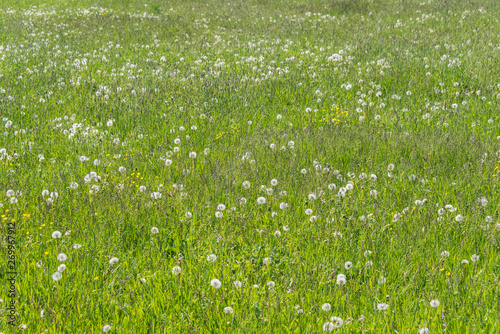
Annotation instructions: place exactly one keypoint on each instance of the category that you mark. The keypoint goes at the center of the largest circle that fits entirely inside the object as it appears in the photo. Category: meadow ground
(250, 166)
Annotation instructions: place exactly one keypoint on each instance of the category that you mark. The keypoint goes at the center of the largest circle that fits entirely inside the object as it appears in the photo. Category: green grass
(260, 96)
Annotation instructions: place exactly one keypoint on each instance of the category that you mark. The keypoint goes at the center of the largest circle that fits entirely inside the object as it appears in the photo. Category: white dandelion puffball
(10, 193)
(215, 283)
(474, 258)
(337, 322)
(261, 200)
(277, 234)
(176, 270)
(424, 330)
(445, 254)
(61, 268)
(382, 306)
(113, 261)
(341, 279)
(45, 192)
(61, 257)
(76, 246)
(56, 234)
(434, 303)
(168, 162)
(348, 265)
(56, 276)
(122, 169)
(228, 309)
(73, 185)
(326, 307)
(459, 218)
(309, 211)
(192, 155)
(246, 184)
(106, 328)
(464, 262)
(211, 258)
(221, 207)
(237, 284)
(154, 230)
(266, 261)
(328, 327)
(373, 193)
(274, 182)
(218, 214)
(367, 253)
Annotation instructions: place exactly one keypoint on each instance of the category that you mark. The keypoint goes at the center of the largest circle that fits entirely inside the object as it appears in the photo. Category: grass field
(250, 166)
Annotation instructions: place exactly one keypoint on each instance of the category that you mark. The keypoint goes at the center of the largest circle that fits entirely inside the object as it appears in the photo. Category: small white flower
(228, 309)
(326, 307)
(348, 265)
(215, 283)
(62, 257)
(237, 284)
(211, 258)
(341, 279)
(464, 262)
(56, 234)
(192, 155)
(382, 306)
(434, 303)
(176, 270)
(308, 211)
(61, 268)
(445, 254)
(328, 327)
(459, 218)
(277, 234)
(246, 184)
(261, 200)
(56, 276)
(154, 230)
(221, 207)
(122, 169)
(106, 328)
(474, 258)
